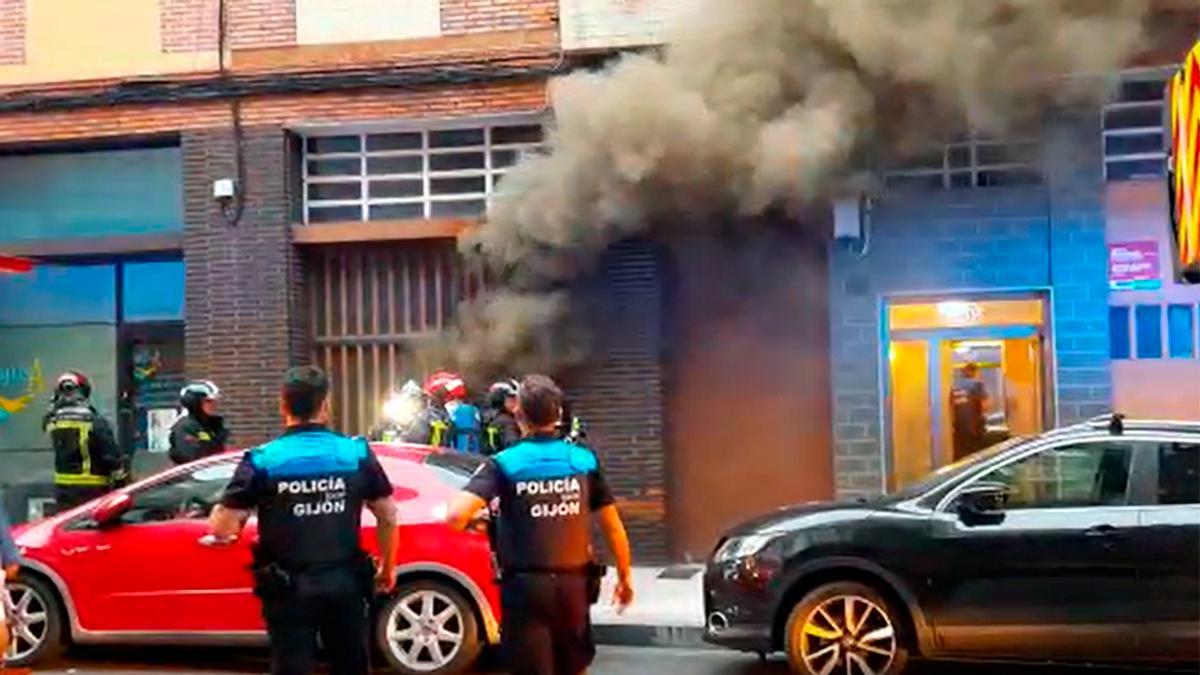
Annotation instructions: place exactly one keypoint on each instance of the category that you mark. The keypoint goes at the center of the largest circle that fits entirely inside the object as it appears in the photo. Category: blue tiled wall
(1049, 236)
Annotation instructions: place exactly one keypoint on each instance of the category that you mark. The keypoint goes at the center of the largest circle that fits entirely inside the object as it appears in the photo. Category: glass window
(1134, 126)
(188, 497)
(1179, 473)
(975, 161)
(1085, 474)
(59, 294)
(1149, 331)
(417, 174)
(1118, 332)
(1179, 332)
(153, 291)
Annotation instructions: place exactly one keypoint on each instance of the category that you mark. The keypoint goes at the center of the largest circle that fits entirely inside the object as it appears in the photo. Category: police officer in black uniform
(548, 490)
(309, 487)
(87, 461)
(201, 431)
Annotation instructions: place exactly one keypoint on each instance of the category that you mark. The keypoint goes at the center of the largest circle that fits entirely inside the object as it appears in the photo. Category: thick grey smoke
(759, 104)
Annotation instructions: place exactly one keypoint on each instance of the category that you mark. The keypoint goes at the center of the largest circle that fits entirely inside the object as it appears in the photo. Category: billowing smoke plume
(760, 104)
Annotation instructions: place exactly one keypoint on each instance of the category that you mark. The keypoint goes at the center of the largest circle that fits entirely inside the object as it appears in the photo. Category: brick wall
(970, 240)
(434, 102)
(12, 32)
(189, 25)
(479, 16)
(262, 23)
(241, 282)
(620, 396)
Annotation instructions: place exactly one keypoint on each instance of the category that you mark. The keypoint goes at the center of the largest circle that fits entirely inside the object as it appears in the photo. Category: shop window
(1148, 320)
(418, 173)
(153, 291)
(58, 295)
(1134, 124)
(1179, 332)
(1118, 332)
(971, 161)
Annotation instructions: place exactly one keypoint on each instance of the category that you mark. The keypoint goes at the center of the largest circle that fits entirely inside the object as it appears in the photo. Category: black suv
(1079, 544)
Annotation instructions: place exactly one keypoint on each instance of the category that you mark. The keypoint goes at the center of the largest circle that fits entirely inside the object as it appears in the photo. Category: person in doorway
(201, 431)
(87, 461)
(500, 428)
(969, 404)
(548, 490)
(309, 488)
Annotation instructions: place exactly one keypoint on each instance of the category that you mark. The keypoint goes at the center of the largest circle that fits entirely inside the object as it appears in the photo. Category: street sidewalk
(667, 611)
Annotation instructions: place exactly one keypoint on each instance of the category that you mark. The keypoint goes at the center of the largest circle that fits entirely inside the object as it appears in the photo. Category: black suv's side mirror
(982, 502)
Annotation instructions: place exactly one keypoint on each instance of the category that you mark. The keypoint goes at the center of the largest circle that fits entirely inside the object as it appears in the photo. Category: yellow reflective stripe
(85, 432)
(79, 479)
(439, 430)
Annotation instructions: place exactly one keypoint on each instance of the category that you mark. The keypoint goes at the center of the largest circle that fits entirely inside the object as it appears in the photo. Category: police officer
(548, 490)
(201, 431)
(500, 428)
(87, 461)
(309, 487)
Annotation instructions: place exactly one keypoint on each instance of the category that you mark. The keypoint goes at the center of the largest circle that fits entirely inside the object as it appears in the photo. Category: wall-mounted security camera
(224, 189)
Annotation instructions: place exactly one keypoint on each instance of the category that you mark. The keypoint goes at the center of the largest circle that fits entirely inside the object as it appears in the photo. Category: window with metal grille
(1134, 124)
(433, 172)
(970, 161)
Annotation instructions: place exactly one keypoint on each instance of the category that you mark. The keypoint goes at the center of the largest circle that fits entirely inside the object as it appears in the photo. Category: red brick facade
(481, 16)
(262, 23)
(12, 32)
(188, 25)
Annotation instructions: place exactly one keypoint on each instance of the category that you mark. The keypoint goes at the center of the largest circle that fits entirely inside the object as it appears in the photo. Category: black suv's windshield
(952, 471)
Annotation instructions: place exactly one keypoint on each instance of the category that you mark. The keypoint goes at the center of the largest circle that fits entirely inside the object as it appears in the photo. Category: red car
(130, 568)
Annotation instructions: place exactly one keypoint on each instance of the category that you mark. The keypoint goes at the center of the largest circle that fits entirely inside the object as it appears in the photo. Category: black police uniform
(548, 490)
(87, 460)
(309, 487)
(196, 435)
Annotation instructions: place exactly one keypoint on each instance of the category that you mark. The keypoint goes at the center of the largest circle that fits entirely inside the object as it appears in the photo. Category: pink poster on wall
(1134, 266)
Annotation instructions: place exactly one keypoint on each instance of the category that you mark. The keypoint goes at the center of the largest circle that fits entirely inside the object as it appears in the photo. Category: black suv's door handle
(1101, 531)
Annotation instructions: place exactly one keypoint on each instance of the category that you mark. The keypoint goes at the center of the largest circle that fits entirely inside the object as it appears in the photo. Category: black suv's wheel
(35, 622)
(845, 628)
(428, 628)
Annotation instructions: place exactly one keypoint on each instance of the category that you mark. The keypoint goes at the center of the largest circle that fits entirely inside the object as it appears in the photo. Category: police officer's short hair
(541, 400)
(304, 390)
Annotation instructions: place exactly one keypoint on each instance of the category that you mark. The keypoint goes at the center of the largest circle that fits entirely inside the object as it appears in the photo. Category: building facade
(362, 136)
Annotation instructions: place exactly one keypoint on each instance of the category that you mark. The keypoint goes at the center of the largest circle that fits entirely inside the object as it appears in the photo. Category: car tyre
(849, 625)
(427, 627)
(36, 626)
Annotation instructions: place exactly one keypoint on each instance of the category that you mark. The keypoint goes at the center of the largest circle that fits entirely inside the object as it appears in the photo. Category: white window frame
(974, 168)
(426, 199)
(1137, 75)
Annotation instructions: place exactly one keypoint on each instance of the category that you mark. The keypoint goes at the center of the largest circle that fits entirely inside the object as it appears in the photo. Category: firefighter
(549, 490)
(200, 432)
(433, 425)
(571, 428)
(87, 461)
(500, 428)
(309, 488)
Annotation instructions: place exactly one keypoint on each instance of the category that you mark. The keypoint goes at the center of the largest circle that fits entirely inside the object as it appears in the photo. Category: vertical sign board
(1134, 266)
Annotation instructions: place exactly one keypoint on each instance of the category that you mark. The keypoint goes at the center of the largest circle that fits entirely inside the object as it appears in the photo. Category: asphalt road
(612, 661)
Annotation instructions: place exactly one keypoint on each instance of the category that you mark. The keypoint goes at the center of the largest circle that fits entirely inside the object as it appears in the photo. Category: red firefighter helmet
(448, 385)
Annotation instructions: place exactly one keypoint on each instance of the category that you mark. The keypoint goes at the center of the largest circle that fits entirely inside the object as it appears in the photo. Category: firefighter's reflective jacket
(85, 448)
(432, 426)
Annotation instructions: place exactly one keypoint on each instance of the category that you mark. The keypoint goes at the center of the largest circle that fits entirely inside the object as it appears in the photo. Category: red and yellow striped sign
(1185, 158)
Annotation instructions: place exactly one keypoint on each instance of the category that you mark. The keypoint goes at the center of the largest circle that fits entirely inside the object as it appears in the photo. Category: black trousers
(331, 604)
(70, 496)
(547, 628)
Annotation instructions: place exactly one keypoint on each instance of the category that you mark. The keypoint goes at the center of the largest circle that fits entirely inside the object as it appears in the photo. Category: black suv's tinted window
(1083, 474)
(1179, 473)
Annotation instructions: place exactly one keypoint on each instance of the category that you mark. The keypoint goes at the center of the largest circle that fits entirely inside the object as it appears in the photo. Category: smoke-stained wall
(956, 240)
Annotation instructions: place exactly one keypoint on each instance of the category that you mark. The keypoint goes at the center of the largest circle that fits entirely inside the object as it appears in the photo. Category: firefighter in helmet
(201, 431)
(87, 461)
(433, 425)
